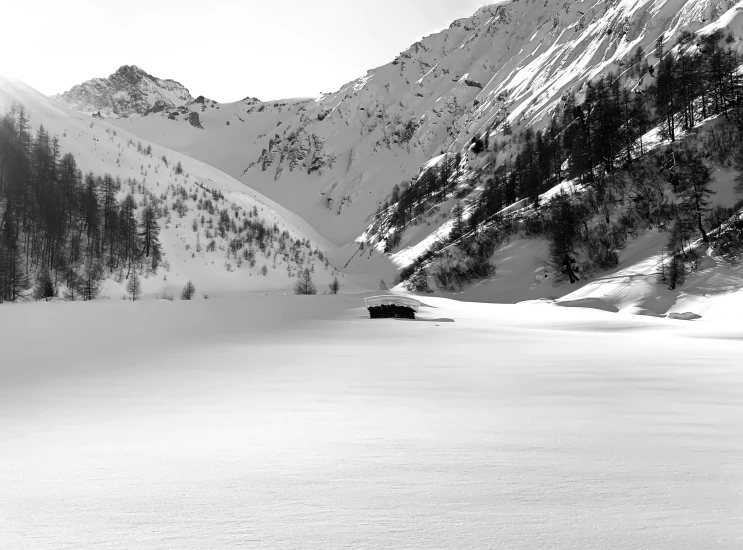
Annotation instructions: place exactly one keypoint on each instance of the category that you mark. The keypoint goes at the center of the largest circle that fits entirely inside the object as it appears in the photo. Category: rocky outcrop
(193, 120)
(127, 92)
(297, 150)
(158, 107)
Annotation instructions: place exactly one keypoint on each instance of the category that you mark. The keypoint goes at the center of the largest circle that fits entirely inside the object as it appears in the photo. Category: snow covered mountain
(333, 160)
(129, 91)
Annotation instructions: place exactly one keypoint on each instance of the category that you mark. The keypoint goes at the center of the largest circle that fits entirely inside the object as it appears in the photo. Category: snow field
(296, 422)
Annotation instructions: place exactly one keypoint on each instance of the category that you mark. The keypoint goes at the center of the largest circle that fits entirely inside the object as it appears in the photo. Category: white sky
(223, 49)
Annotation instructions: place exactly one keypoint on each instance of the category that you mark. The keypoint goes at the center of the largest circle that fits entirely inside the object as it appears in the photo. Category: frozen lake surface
(295, 422)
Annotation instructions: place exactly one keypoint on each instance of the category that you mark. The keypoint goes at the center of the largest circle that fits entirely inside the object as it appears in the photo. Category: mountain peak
(129, 91)
(131, 71)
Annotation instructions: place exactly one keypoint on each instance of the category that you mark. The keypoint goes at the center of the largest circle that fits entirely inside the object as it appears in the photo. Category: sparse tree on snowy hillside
(334, 286)
(188, 292)
(305, 285)
(149, 231)
(134, 286)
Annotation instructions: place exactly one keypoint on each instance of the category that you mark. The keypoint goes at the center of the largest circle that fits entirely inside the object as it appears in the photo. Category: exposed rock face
(297, 150)
(159, 106)
(129, 91)
(193, 119)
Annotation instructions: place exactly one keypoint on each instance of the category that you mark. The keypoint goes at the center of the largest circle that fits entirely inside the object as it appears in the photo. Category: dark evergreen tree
(693, 189)
(675, 270)
(188, 292)
(304, 284)
(44, 287)
(149, 231)
(665, 94)
(458, 228)
(334, 286)
(565, 220)
(134, 286)
(90, 281)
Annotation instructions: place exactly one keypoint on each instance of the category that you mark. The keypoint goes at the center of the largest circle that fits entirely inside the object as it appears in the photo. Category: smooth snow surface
(284, 422)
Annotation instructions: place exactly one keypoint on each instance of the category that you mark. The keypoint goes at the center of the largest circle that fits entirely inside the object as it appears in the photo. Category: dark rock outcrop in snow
(193, 119)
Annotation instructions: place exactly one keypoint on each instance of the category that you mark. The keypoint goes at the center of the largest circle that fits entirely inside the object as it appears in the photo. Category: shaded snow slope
(279, 423)
(103, 148)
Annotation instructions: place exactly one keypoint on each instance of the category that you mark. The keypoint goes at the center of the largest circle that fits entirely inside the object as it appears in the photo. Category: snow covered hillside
(216, 232)
(129, 91)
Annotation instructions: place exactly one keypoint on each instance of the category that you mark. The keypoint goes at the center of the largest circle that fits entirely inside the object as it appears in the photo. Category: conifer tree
(188, 292)
(676, 269)
(334, 286)
(44, 287)
(149, 231)
(13, 277)
(563, 228)
(134, 286)
(91, 280)
(458, 227)
(694, 192)
(304, 284)
(665, 95)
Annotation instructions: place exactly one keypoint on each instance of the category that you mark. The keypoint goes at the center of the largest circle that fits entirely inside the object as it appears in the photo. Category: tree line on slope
(598, 143)
(605, 132)
(58, 225)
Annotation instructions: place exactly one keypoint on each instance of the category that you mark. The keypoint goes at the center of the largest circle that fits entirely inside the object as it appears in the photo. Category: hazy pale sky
(223, 49)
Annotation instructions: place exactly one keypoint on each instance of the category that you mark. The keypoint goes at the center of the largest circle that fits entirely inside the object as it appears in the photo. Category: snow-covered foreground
(295, 422)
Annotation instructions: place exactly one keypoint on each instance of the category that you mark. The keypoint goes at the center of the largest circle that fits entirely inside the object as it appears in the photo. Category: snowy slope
(102, 148)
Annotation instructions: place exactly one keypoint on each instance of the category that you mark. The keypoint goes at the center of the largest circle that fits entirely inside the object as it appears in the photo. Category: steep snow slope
(102, 148)
(333, 159)
(128, 91)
